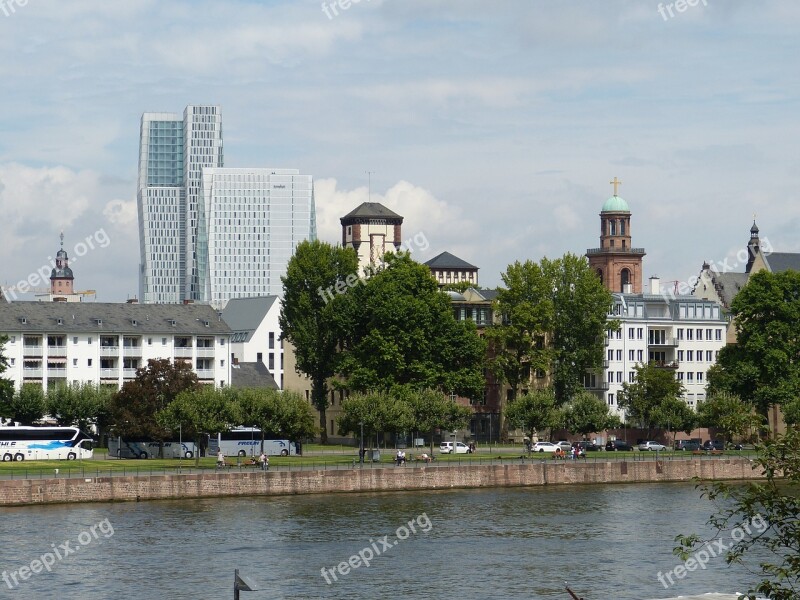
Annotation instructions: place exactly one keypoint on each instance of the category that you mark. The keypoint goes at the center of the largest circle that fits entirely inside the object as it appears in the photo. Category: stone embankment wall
(259, 483)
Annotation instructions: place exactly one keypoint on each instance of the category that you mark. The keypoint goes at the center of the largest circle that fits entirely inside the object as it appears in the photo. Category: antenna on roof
(369, 185)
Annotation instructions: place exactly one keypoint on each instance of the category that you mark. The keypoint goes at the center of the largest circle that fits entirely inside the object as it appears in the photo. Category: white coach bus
(246, 441)
(44, 443)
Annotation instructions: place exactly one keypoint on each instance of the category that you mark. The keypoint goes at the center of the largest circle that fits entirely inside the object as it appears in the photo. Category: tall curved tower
(616, 262)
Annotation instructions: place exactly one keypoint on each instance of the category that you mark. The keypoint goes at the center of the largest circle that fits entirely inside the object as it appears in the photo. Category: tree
(316, 277)
(378, 411)
(674, 415)
(27, 405)
(554, 316)
(586, 413)
(6, 385)
(431, 410)
(80, 405)
(763, 366)
(280, 414)
(534, 412)
(134, 407)
(729, 414)
(581, 306)
(200, 410)
(642, 399)
(517, 342)
(766, 516)
(398, 328)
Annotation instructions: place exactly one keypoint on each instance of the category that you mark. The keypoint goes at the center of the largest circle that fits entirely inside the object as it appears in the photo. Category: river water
(520, 543)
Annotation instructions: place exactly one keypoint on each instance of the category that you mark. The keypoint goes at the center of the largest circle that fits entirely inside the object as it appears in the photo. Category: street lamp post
(361, 447)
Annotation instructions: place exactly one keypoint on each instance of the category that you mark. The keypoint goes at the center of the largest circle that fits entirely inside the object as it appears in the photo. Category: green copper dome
(615, 204)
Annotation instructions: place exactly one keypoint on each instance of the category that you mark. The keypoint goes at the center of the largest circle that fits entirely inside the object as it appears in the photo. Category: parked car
(620, 445)
(545, 447)
(688, 445)
(714, 445)
(654, 446)
(564, 445)
(586, 446)
(447, 448)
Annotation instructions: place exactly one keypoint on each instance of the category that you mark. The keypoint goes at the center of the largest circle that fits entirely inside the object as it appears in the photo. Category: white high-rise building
(173, 150)
(250, 222)
(207, 233)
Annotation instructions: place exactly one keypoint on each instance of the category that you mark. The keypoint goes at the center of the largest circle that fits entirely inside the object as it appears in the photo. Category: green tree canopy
(534, 412)
(309, 312)
(431, 410)
(79, 404)
(763, 367)
(586, 413)
(767, 514)
(27, 405)
(728, 413)
(673, 414)
(398, 328)
(279, 414)
(380, 412)
(643, 399)
(134, 407)
(199, 410)
(6, 385)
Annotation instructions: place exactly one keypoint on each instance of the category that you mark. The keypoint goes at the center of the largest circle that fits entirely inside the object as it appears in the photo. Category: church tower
(61, 278)
(618, 265)
(753, 247)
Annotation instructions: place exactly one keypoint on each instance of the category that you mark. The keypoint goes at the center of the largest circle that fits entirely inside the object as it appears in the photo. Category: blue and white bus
(122, 448)
(246, 441)
(44, 443)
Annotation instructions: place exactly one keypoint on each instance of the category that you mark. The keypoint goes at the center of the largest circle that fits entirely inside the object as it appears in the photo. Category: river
(521, 543)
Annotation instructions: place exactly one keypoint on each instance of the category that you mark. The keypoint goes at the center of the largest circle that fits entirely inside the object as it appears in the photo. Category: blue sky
(492, 127)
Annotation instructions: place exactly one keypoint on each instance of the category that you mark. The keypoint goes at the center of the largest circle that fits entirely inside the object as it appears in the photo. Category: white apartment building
(680, 333)
(250, 222)
(256, 334)
(52, 343)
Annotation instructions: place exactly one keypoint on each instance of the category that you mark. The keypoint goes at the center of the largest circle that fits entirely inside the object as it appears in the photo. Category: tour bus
(44, 443)
(122, 448)
(246, 441)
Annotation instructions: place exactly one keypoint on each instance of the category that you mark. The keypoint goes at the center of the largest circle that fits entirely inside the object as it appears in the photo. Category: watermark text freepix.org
(57, 552)
(713, 549)
(377, 547)
(9, 7)
(679, 5)
(99, 239)
(340, 287)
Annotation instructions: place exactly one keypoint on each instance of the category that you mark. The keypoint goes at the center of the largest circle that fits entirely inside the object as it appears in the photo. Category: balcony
(205, 373)
(184, 352)
(135, 351)
(109, 373)
(109, 350)
(32, 373)
(56, 372)
(56, 351)
(204, 352)
(32, 351)
(605, 364)
(665, 364)
(665, 343)
(128, 373)
(599, 386)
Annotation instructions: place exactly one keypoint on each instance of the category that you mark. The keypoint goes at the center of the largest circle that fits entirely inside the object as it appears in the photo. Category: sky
(493, 128)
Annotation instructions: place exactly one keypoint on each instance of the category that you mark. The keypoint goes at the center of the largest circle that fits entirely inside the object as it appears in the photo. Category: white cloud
(121, 212)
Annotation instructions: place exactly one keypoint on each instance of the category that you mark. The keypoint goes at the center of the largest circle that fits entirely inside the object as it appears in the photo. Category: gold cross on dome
(616, 183)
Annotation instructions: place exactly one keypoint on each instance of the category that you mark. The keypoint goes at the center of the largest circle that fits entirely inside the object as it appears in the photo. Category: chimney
(655, 285)
(132, 300)
(188, 301)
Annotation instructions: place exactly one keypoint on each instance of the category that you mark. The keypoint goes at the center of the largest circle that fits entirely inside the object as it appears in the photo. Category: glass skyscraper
(207, 233)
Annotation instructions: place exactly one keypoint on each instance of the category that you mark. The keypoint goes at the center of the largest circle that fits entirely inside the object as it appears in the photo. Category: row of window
(637, 333)
(688, 376)
(688, 355)
(689, 398)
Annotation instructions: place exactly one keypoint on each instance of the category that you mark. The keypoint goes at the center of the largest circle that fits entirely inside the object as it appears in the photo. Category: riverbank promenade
(85, 484)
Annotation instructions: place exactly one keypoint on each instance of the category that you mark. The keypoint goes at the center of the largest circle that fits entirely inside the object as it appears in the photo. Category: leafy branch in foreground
(775, 503)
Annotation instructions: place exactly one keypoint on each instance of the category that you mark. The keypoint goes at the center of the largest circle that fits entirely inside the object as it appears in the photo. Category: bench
(711, 452)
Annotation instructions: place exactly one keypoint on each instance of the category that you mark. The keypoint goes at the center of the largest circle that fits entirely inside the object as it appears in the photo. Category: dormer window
(134, 322)
(173, 322)
(24, 320)
(99, 321)
(60, 321)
